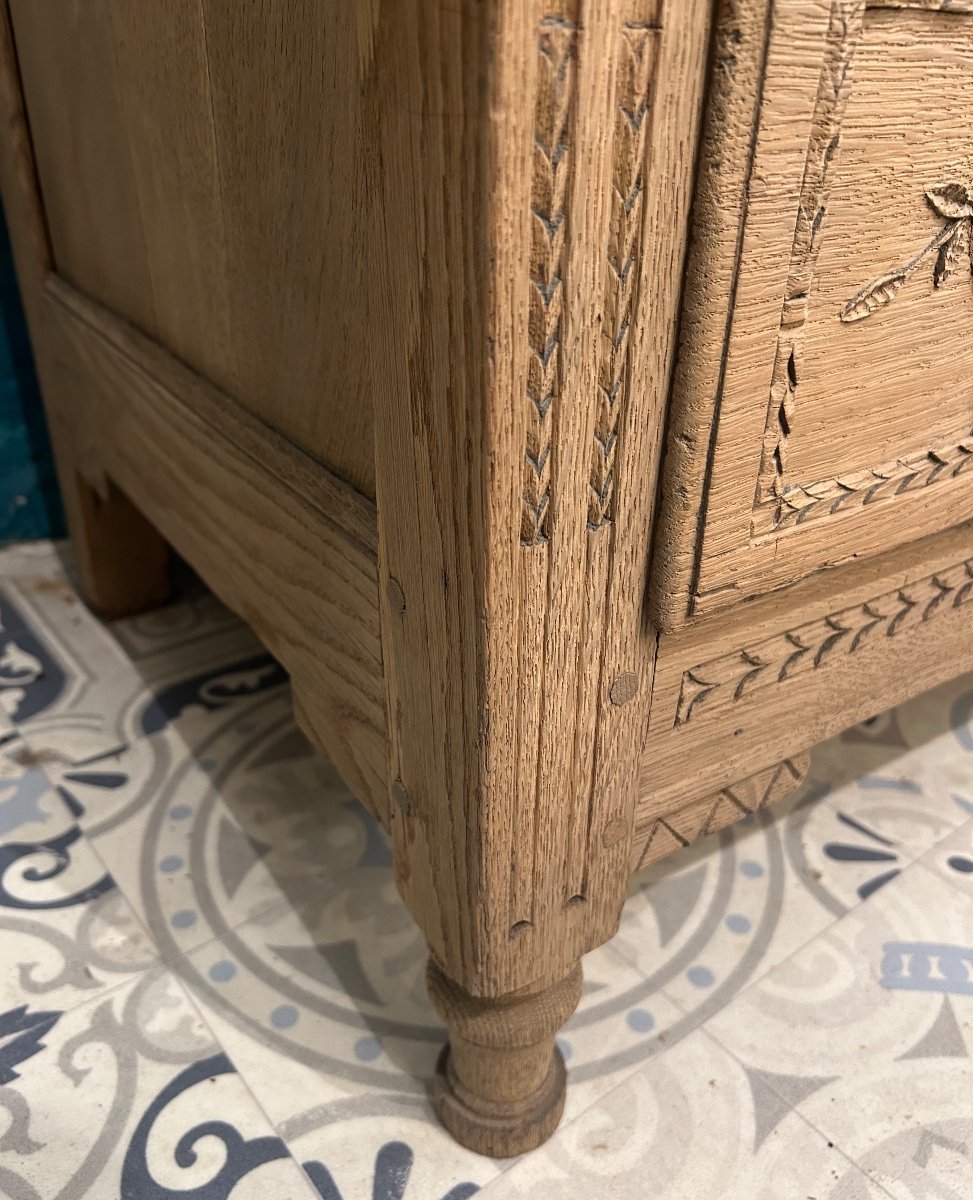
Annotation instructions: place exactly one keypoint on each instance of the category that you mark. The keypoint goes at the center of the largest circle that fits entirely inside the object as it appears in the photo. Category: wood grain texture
(186, 152)
(551, 176)
(121, 562)
(634, 95)
(509, 638)
(289, 548)
(439, 246)
(67, 59)
(658, 836)
(834, 127)
(500, 1084)
(799, 666)
(844, 29)
(810, 645)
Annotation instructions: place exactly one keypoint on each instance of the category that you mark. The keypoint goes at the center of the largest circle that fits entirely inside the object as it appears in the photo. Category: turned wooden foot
(500, 1083)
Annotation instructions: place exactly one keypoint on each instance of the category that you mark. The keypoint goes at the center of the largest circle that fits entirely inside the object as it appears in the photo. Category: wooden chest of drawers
(575, 395)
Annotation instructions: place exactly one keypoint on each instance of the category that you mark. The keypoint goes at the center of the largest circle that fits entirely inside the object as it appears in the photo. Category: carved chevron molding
(636, 74)
(778, 503)
(844, 29)
(723, 681)
(675, 830)
(553, 115)
(856, 489)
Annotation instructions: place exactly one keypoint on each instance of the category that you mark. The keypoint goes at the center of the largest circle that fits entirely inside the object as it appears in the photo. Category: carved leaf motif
(549, 189)
(876, 295)
(951, 200)
(951, 253)
(813, 645)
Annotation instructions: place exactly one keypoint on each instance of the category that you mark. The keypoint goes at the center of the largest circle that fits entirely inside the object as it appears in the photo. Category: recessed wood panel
(202, 169)
(823, 409)
(902, 377)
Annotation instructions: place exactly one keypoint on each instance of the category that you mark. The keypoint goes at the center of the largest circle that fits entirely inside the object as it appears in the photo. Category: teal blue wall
(30, 506)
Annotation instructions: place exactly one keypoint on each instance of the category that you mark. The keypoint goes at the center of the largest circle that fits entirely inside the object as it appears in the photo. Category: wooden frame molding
(514, 791)
(731, 677)
(844, 29)
(253, 498)
(656, 837)
(554, 110)
(779, 502)
(635, 85)
(725, 534)
(866, 639)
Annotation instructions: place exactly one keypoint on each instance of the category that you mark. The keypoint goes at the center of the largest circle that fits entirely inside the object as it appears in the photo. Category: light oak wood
(829, 166)
(186, 151)
(287, 546)
(121, 560)
(660, 832)
(380, 313)
(795, 668)
(500, 1083)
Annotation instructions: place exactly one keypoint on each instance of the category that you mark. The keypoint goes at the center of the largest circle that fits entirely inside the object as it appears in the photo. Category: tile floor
(208, 987)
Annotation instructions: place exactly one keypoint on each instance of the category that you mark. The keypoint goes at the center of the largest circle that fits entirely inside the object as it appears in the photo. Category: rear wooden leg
(500, 1082)
(122, 561)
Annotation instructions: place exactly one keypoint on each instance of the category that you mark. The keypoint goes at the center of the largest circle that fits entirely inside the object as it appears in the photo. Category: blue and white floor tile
(209, 987)
(66, 931)
(13, 750)
(867, 1031)
(953, 858)
(82, 689)
(695, 1124)
(128, 1095)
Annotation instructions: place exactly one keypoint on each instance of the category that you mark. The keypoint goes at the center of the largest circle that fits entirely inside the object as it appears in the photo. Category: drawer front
(823, 405)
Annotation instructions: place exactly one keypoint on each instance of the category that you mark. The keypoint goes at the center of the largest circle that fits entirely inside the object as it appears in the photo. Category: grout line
(955, 884)
(244, 1080)
(832, 1145)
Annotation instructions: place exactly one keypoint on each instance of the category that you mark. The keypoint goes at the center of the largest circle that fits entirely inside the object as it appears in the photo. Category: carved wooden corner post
(518, 390)
(122, 562)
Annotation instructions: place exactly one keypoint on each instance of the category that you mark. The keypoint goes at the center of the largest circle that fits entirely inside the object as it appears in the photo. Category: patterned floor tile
(128, 1096)
(953, 858)
(902, 807)
(693, 1123)
(13, 750)
(708, 921)
(868, 1031)
(151, 777)
(358, 1151)
(77, 688)
(65, 929)
(327, 999)
(204, 829)
(703, 924)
